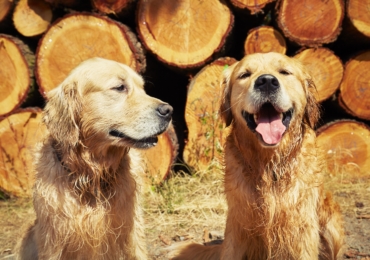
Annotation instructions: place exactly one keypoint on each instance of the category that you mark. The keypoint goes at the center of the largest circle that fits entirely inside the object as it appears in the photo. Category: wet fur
(276, 205)
(86, 194)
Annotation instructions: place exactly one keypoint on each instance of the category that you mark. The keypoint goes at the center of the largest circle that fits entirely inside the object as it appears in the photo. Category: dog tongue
(269, 125)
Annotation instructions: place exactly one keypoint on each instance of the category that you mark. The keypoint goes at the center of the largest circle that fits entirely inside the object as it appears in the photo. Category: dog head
(103, 102)
(268, 93)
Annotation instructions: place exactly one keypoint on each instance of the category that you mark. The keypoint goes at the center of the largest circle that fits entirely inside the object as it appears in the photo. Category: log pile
(181, 48)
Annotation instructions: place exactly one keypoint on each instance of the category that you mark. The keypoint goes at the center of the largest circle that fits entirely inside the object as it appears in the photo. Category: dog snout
(267, 83)
(164, 111)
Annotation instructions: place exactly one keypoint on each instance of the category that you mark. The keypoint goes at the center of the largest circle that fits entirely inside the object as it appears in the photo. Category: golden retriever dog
(273, 181)
(86, 193)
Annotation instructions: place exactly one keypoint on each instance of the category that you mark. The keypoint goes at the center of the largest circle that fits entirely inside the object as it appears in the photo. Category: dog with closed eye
(277, 208)
(88, 179)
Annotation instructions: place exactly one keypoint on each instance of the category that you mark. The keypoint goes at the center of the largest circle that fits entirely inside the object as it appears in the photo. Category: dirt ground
(193, 207)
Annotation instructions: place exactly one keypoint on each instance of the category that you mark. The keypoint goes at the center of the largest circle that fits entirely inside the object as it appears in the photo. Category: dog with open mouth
(277, 208)
(88, 178)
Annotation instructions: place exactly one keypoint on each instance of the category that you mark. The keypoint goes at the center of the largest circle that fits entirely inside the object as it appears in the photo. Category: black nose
(164, 110)
(266, 83)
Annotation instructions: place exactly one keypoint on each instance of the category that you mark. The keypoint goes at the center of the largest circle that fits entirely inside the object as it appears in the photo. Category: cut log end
(354, 94)
(16, 63)
(32, 17)
(158, 160)
(358, 13)
(326, 70)
(264, 39)
(183, 34)
(78, 37)
(207, 133)
(346, 146)
(311, 24)
(19, 133)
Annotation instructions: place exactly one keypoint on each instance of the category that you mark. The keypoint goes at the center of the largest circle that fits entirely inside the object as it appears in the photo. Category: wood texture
(358, 12)
(325, 68)
(16, 73)
(207, 132)
(254, 6)
(185, 33)
(81, 36)
(19, 133)
(32, 17)
(264, 39)
(347, 146)
(311, 22)
(354, 94)
(159, 159)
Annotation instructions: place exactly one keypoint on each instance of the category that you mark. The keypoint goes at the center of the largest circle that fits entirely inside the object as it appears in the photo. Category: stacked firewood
(181, 47)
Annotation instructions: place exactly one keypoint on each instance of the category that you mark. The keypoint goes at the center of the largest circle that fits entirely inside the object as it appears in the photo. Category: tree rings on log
(207, 132)
(19, 134)
(325, 68)
(346, 145)
(32, 17)
(159, 159)
(358, 13)
(311, 23)
(16, 73)
(78, 37)
(254, 6)
(186, 33)
(354, 94)
(264, 39)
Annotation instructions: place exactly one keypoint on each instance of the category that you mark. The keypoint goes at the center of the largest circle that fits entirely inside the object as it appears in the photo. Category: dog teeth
(255, 117)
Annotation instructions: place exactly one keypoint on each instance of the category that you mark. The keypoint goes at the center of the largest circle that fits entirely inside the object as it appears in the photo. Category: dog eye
(120, 88)
(245, 75)
(285, 72)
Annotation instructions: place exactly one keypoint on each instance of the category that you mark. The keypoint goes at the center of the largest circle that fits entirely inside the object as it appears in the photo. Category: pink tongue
(270, 126)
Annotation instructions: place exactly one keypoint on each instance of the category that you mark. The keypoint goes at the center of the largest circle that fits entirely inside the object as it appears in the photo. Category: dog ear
(312, 111)
(61, 114)
(225, 108)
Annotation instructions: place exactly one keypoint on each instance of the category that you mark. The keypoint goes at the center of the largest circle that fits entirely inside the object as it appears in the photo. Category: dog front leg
(233, 246)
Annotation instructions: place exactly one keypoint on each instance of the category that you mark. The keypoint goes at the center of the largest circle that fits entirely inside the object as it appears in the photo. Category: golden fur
(86, 194)
(273, 181)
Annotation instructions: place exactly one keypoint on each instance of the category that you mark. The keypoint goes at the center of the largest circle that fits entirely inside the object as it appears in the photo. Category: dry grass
(15, 216)
(184, 205)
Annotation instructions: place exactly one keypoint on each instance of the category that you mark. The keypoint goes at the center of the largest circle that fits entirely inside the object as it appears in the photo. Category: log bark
(32, 17)
(311, 23)
(184, 34)
(16, 73)
(325, 68)
(115, 7)
(19, 133)
(264, 39)
(254, 6)
(346, 146)
(158, 160)
(354, 94)
(80, 36)
(207, 133)
(358, 13)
